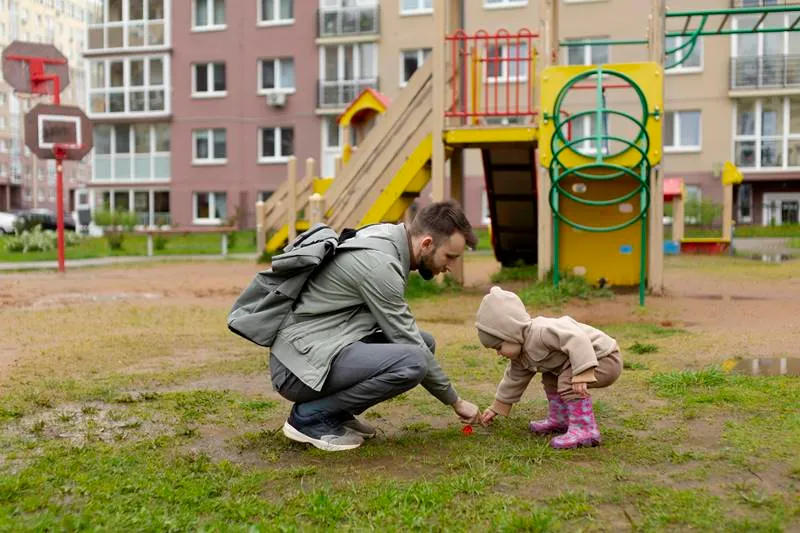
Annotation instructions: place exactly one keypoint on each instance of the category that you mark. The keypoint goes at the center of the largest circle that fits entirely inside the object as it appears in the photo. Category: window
(345, 71)
(410, 61)
(507, 62)
(131, 152)
(208, 14)
(208, 80)
(767, 132)
(209, 147)
(2, 99)
(744, 202)
(682, 131)
(210, 207)
(275, 144)
(504, 3)
(331, 146)
(692, 56)
(131, 85)
(416, 7)
(276, 75)
(141, 25)
(275, 12)
(584, 127)
(589, 54)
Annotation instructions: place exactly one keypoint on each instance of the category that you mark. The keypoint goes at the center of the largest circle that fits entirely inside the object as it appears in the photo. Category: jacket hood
(396, 234)
(502, 314)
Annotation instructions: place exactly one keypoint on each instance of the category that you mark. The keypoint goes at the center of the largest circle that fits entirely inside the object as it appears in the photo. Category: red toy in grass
(467, 430)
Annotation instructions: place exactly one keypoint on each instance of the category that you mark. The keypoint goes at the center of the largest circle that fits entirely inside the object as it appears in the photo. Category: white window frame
(278, 61)
(212, 207)
(125, 25)
(276, 21)
(421, 55)
(505, 64)
(504, 4)
(586, 147)
(277, 159)
(212, 159)
(339, 82)
(758, 138)
(210, 68)
(682, 68)
(676, 147)
(113, 155)
(788, 19)
(776, 197)
(211, 26)
(587, 51)
(126, 89)
(419, 10)
(329, 151)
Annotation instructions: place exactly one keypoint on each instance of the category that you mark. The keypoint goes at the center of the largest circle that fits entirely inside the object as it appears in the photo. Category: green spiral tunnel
(600, 166)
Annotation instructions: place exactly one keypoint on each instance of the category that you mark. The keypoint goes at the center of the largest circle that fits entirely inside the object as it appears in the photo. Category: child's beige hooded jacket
(548, 344)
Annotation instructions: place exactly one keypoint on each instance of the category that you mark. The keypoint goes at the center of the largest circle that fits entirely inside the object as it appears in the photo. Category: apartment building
(199, 103)
(26, 181)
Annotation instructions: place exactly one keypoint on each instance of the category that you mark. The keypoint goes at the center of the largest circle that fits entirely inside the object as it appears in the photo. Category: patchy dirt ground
(735, 312)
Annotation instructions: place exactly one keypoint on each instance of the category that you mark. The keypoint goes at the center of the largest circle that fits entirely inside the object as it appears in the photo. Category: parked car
(44, 217)
(7, 222)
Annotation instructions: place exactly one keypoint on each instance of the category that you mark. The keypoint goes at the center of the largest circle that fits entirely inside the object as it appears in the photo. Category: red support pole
(60, 206)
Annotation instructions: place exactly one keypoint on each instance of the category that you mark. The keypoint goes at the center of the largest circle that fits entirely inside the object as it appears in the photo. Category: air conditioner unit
(276, 99)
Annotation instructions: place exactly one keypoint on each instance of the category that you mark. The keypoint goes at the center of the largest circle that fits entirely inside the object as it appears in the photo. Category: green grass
(795, 243)
(153, 417)
(180, 244)
(484, 242)
(418, 288)
(521, 272)
(545, 294)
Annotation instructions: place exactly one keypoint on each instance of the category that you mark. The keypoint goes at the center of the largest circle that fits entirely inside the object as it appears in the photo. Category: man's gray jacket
(355, 294)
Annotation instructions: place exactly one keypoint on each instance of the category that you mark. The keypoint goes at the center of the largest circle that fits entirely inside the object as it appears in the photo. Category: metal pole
(60, 153)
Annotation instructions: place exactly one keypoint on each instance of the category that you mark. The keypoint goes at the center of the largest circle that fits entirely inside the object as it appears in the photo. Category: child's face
(511, 350)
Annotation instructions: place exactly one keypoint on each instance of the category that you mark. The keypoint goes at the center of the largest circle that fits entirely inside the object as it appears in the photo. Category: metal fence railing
(765, 71)
(342, 21)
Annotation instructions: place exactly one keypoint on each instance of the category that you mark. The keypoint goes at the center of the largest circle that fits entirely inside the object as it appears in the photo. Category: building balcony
(765, 72)
(347, 21)
(126, 36)
(339, 93)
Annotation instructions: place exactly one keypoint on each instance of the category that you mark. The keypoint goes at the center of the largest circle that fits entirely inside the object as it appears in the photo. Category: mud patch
(88, 422)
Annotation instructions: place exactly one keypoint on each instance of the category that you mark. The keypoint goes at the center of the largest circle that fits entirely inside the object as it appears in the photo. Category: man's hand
(580, 388)
(487, 416)
(466, 411)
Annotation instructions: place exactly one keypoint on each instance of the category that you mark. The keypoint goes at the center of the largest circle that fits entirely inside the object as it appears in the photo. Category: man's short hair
(440, 220)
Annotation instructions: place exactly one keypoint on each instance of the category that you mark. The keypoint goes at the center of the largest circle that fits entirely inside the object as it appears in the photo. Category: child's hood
(503, 315)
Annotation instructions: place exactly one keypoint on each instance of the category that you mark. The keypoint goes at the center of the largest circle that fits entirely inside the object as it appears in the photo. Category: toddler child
(572, 357)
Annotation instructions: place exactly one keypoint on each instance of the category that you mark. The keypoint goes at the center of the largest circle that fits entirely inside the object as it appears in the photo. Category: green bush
(160, 242)
(37, 240)
(115, 224)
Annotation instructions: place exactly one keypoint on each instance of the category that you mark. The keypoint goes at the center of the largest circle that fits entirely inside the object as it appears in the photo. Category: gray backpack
(261, 310)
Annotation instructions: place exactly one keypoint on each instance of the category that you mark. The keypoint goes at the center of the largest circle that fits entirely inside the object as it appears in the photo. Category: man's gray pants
(364, 374)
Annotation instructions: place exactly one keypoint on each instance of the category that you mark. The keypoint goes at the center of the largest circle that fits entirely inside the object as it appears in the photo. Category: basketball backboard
(48, 127)
(20, 57)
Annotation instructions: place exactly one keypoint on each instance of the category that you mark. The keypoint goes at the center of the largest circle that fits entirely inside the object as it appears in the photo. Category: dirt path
(735, 312)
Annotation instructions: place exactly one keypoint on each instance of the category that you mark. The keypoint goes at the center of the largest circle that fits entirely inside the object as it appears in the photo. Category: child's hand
(580, 388)
(487, 417)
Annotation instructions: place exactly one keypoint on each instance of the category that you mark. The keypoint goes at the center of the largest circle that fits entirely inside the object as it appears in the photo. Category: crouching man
(352, 341)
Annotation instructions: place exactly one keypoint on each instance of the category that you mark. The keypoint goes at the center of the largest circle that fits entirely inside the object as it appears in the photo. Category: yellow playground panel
(600, 199)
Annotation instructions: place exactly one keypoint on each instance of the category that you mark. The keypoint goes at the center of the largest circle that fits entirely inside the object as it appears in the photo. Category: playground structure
(586, 203)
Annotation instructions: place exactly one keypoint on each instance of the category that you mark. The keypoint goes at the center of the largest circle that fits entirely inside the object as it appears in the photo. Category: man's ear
(426, 242)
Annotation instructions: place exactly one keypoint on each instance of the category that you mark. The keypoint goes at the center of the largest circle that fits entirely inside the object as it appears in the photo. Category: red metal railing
(492, 75)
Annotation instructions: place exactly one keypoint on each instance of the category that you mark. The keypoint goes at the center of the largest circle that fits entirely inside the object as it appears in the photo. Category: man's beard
(425, 269)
